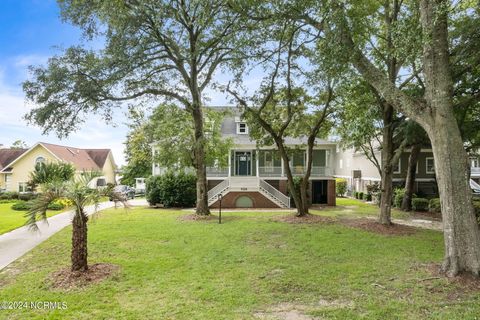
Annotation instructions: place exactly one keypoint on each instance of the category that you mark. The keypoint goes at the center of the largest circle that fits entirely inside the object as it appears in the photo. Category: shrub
(476, 207)
(373, 188)
(398, 194)
(420, 204)
(172, 190)
(26, 196)
(55, 206)
(8, 201)
(64, 202)
(434, 205)
(360, 195)
(21, 206)
(340, 187)
(367, 196)
(9, 195)
(355, 194)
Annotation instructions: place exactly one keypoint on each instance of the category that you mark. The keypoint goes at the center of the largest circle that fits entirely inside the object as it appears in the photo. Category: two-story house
(255, 176)
(361, 172)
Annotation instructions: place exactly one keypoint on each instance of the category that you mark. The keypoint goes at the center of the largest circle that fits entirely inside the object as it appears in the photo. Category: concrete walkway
(16, 243)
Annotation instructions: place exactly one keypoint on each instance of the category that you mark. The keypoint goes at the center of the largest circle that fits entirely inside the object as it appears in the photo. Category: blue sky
(31, 32)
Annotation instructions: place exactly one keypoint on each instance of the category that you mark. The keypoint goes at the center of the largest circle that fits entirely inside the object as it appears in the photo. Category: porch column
(283, 167)
(229, 163)
(257, 155)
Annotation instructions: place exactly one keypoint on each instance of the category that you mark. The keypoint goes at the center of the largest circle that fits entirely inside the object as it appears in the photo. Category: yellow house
(17, 164)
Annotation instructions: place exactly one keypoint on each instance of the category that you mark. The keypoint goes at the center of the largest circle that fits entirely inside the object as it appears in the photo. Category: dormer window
(242, 128)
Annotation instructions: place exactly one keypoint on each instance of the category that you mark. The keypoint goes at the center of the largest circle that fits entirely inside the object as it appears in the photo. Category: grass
(355, 207)
(171, 269)
(11, 219)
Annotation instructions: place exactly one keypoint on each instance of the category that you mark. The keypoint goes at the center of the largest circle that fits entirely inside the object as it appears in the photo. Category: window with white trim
(24, 187)
(475, 163)
(397, 168)
(242, 128)
(429, 165)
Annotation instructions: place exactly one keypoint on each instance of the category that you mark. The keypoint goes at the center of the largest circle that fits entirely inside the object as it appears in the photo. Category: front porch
(268, 164)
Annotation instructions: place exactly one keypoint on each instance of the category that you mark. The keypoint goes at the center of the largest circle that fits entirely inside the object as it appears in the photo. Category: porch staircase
(248, 184)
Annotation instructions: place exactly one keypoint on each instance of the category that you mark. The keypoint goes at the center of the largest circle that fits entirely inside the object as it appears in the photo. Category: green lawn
(11, 219)
(354, 207)
(171, 269)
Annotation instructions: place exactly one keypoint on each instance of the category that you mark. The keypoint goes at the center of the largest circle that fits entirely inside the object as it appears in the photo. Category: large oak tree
(153, 50)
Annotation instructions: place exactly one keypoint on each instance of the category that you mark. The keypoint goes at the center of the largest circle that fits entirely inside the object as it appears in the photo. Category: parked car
(122, 191)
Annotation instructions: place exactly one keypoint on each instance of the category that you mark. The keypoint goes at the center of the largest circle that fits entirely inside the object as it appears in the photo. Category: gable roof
(7, 156)
(81, 159)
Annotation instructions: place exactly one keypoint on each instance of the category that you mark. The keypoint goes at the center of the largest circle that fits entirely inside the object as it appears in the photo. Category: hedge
(340, 187)
(434, 205)
(21, 206)
(420, 204)
(367, 196)
(172, 190)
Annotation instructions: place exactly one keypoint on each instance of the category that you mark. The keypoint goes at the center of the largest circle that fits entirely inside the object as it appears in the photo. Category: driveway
(16, 243)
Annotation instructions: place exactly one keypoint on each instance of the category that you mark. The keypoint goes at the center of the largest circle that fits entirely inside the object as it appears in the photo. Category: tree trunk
(435, 114)
(201, 170)
(79, 242)
(411, 174)
(461, 232)
(297, 198)
(387, 166)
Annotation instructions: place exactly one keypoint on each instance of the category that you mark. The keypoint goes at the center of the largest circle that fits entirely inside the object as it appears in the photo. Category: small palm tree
(81, 195)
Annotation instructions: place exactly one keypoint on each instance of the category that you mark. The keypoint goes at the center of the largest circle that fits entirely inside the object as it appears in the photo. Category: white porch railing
(274, 193)
(475, 170)
(217, 172)
(269, 171)
(215, 191)
(316, 171)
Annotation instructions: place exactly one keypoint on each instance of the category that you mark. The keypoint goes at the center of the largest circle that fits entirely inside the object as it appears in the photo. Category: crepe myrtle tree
(282, 109)
(153, 49)
(80, 194)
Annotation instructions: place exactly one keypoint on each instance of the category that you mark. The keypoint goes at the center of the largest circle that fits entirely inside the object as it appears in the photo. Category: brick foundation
(259, 201)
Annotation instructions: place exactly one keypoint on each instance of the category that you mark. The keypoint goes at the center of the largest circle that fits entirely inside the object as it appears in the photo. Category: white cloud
(94, 133)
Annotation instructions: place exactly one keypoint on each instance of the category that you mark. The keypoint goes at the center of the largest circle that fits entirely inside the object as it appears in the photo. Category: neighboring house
(255, 177)
(17, 164)
(361, 172)
(475, 168)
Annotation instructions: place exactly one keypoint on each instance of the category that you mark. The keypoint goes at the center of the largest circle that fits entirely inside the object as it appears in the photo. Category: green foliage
(172, 189)
(398, 194)
(138, 150)
(420, 204)
(367, 196)
(55, 206)
(9, 195)
(27, 196)
(340, 186)
(476, 207)
(21, 206)
(360, 195)
(434, 205)
(19, 144)
(52, 171)
(172, 130)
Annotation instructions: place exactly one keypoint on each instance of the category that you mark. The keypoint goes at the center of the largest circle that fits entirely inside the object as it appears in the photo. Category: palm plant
(81, 195)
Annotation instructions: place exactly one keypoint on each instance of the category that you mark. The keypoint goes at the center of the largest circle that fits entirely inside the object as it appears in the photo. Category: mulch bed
(458, 287)
(427, 215)
(196, 217)
(375, 227)
(308, 219)
(66, 279)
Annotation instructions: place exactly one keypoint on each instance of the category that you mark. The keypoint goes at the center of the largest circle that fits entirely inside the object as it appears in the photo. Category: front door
(319, 192)
(243, 163)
